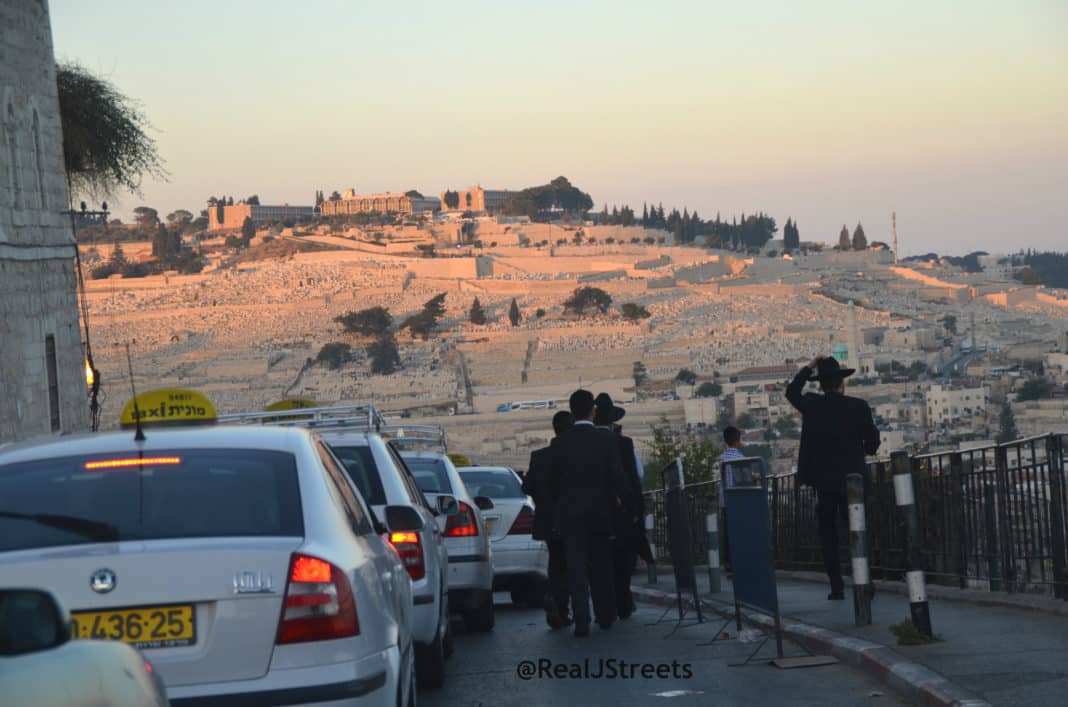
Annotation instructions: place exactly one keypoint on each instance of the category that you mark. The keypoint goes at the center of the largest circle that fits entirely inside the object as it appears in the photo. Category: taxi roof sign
(291, 404)
(169, 406)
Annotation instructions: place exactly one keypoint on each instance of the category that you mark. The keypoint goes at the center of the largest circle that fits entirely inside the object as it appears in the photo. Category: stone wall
(37, 276)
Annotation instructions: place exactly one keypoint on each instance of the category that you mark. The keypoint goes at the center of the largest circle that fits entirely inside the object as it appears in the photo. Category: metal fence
(993, 518)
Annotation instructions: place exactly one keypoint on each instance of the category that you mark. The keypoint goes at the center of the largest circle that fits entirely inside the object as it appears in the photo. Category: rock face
(41, 366)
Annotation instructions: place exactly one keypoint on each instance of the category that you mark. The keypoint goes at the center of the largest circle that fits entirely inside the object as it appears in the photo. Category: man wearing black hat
(628, 524)
(837, 431)
(536, 485)
(586, 479)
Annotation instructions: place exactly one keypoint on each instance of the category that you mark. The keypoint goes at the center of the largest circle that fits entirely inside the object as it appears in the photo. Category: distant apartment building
(479, 199)
(222, 218)
(765, 404)
(947, 404)
(766, 374)
(352, 203)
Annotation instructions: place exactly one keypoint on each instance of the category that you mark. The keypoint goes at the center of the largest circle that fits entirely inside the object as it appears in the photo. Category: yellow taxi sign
(169, 406)
(291, 404)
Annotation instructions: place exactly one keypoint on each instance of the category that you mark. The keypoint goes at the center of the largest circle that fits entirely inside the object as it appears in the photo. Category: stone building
(391, 203)
(479, 199)
(232, 217)
(42, 371)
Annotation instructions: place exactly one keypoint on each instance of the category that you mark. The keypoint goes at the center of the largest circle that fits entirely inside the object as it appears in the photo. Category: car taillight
(524, 522)
(463, 524)
(410, 550)
(319, 605)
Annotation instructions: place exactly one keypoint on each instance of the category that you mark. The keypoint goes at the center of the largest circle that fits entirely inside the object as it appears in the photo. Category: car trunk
(503, 515)
(231, 588)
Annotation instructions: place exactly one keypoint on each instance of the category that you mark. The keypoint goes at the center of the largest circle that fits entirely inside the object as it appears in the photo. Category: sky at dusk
(954, 114)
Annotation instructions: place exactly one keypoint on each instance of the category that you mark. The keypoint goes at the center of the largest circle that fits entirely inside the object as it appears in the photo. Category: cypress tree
(513, 313)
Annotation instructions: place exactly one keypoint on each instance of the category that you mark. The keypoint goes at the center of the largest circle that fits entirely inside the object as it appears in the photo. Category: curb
(916, 683)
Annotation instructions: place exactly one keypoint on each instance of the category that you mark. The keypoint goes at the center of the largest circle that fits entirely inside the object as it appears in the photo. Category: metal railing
(992, 518)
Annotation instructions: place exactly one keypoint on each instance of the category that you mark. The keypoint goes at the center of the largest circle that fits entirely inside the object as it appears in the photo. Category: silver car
(466, 536)
(520, 563)
(241, 561)
(383, 480)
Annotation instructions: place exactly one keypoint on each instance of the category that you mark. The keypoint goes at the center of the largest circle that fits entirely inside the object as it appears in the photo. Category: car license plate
(142, 627)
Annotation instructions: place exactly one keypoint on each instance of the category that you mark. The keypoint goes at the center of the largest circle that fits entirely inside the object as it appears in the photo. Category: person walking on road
(837, 431)
(587, 482)
(732, 437)
(536, 485)
(629, 523)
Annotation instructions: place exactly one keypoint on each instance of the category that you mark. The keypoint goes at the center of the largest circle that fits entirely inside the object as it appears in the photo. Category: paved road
(483, 671)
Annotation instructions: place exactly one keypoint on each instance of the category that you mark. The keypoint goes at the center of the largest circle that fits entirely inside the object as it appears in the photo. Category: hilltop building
(946, 404)
(479, 199)
(391, 203)
(42, 362)
(227, 217)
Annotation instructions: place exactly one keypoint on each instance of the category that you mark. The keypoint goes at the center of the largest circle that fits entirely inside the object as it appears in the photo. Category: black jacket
(536, 485)
(837, 431)
(586, 479)
(630, 516)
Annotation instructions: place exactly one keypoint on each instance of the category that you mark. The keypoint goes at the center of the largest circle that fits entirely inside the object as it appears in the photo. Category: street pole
(712, 543)
(914, 576)
(858, 550)
(652, 547)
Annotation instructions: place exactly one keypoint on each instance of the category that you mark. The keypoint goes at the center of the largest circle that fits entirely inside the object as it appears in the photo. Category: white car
(466, 536)
(383, 480)
(520, 563)
(40, 665)
(241, 561)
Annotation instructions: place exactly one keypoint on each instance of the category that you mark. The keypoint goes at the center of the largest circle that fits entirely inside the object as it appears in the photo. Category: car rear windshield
(494, 484)
(360, 464)
(162, 494)
(430, 474)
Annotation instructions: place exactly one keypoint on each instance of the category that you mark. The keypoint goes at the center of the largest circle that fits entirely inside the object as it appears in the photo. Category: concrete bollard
(858, 550)
(914, 577)
(712, 543)
(649, 527)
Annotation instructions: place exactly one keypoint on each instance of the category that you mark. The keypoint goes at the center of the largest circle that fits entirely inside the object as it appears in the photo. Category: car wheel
(430, 662)
(480, 620)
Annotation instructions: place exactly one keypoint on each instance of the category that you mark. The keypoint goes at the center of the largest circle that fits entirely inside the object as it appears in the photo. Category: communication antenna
(139, 435)
(893, 220)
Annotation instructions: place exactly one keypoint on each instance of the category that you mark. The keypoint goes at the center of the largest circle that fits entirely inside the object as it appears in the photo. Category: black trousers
(624, 559)
(589, 572)
(830, 506)
(559, 593)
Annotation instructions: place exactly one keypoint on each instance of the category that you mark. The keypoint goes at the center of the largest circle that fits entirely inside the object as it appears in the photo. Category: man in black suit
(629, 525)
(536, 485)
(586, 479)
(837, 431)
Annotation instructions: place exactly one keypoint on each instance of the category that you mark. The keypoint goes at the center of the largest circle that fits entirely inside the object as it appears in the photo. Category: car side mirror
(31, 620)
(484, 503)
(448, 506)
(403, 518)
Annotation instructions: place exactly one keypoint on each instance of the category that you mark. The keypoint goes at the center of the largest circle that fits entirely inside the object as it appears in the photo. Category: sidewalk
(1004, 655)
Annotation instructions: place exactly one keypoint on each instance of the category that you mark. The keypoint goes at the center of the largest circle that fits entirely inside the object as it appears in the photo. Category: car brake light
(133, 461)
(463, 524)
(410, 550)
(318, 605)
(524, 522)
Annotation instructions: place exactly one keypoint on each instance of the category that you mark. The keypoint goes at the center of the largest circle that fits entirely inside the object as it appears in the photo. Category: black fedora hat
(607, 411)
(828, 369)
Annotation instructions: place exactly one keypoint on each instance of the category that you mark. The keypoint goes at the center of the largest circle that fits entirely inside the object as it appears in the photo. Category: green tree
(787, 426)
(844, 241)
(373, 321)
(1029, 276)
(166, 244)
(423, 323)
(385, 358)
(640, 374)
(1007, 424)
(477, 315)
(686, 376)
(179, 218)
(949, 322)
(634, 312)
(334, 355)
(452, 199)
(253, 200)
(248, 231)
(106, 147)
(746, 421)
(413, 194)
(1035, 389)
(860, 241)
(118, 257)
(146, 217)
(699, 454)
(708, 389)
(513, 313)
(791, 237)
(539, 313)
(587, 298)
